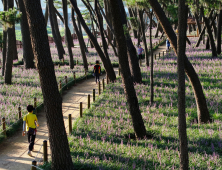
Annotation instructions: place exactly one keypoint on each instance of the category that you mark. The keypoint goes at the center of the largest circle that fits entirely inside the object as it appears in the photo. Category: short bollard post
(70, 124)
(62, 60)
(99, 88)
(66, 80)
(45, 154)
(88, 101)
(93, 95)
(33, 165)
(35, 102)
(59, 65)
(3, 126)
(159, 55)
(80, 108)
(119, 71)
(107, 79)
(155, 56)
(163, 53)
(74, 76)
(19, 113)
(103, 84)
(77, 62)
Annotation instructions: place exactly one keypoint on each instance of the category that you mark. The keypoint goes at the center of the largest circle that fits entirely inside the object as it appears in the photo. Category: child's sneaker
(29, 153)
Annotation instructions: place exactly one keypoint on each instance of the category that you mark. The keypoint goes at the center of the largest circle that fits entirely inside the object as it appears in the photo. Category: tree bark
(60, 153)
(208, 43)
(80, 38)
(140, 12)
(106, 61)
(131, 50)
(55, 29)
(202, 110)
(4, 47)
(15, 53)
(46, 14)
(28, 55)
(10, 51)
(212, 44)
(131, 15)
(181, 55)
(219, 32)
(151, 64)
(68, 37)
(132, 100)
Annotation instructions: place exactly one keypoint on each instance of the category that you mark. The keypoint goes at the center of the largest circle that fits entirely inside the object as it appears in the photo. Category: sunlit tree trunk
(60, 153)
(4, 47)
(127, 80)
(181, 50)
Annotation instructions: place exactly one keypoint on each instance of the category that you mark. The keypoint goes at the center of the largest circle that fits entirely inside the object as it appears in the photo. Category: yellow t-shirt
(30, 120)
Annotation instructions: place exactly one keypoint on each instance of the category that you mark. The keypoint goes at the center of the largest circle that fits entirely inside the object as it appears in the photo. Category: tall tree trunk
(219, 32)
(151, 64)
(106, 61)
(60, 153)
(131, 50)
(107, 11)
(28, 55)
(181, 50)
(212, 43)
(10, 51)
(202, 110)
(131, 15)
(46, 14)
(55, 29)
(132, 100)
(198, 23)
(140, 12)
(15, 53)
(208, 43)
(4, 47)
(68, 37)
(80, 38)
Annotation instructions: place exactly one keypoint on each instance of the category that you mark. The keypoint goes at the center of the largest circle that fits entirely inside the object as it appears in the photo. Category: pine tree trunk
(211, 38)
(68, 37)
(202, 110)
(80, 38)
(60, 153)
(106, 61)
(131, 15)
(208, 43)
(219, 32)
(151, 64)
(46, 14)
(132, 100)
(131, 50)
(4, 47)
(15, 53)
(55, 29)
(181, 50)
(28, 55)
(10, 52)
(140, 12)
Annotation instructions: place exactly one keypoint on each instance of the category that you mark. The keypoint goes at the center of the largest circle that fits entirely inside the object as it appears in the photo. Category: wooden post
(35, 102)
(163, 53)
(19, 113)
(99, 87)
(66, 80)
(103, 84)
(74, 76)
(62, 60)
(3, 126)
(197, 32)
(94, 95)
(119, 72)
(77, 62)
(155, 56)
(80, 109)
(70, 124)
(159, 54)
(59, 65)
(107, 79)
(45, 154)
(88, 101)
(34, 165)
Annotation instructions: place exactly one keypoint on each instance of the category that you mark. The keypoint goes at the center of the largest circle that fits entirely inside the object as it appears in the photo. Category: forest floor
(13, 151)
